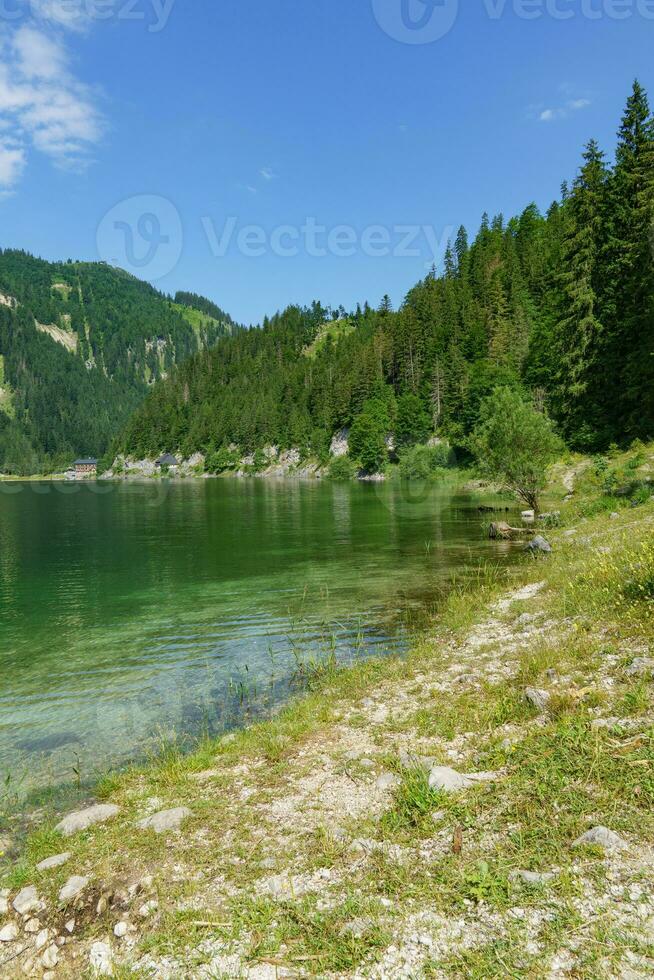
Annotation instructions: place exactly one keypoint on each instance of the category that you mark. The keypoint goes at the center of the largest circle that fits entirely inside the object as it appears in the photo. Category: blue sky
(263, 152)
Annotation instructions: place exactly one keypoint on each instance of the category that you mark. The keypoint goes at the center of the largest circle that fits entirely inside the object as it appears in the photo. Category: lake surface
(132, 611)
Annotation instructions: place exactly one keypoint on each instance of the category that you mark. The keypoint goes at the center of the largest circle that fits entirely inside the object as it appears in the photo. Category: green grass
(333, 331)
(196, 318)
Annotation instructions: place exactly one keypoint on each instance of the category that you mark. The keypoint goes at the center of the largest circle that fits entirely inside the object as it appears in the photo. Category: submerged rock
(81, 819)
(539, 544)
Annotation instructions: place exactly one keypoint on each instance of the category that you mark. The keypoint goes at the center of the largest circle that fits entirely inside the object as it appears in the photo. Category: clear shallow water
(129, 612)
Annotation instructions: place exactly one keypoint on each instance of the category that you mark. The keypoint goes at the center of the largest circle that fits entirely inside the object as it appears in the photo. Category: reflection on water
(134, 610)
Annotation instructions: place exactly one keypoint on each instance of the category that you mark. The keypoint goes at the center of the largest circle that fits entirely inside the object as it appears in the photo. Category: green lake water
(131, 612)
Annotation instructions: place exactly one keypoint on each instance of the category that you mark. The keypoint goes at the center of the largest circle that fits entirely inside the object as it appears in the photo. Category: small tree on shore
(368, 441)
(514, 444)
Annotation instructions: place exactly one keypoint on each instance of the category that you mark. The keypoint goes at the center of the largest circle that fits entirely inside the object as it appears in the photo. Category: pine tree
(628, 354)
(579, 330)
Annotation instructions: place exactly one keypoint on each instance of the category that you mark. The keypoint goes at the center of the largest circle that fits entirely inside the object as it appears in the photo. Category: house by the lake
(166, 461)
(85, 467)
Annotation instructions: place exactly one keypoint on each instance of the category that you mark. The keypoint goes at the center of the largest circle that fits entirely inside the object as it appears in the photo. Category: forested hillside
(559, 305)
(80, 345)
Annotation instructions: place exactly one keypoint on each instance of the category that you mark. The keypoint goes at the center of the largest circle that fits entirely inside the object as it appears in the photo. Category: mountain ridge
(82, 343)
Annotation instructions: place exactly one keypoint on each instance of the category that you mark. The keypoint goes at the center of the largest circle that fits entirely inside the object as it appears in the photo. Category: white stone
(70, 926)
(50, 958)
(4, 906)
(73, 888)
(53, 862)
(538, 698)
(81, 819)
(602, 837)
(450, 781)
(409, 760)
(534, 877)
(32, 926)
(42, 938)
(165, 820)
(100, 958)
(120, 929)
(340, 443)
(26, 900)
(148, 908)
(387, 780)
(9, 933)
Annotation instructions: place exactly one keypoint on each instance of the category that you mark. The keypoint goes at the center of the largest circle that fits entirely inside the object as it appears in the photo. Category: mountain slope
(81, 345)
(559, 306)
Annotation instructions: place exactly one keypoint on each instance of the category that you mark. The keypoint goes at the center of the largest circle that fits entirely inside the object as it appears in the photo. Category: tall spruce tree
(579, 330)
(629, 350)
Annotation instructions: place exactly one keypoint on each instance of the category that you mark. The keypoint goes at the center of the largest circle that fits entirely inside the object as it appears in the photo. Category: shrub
(425, 462)
(514, 444)
(222, 461)
(341, 469)
(261, 461)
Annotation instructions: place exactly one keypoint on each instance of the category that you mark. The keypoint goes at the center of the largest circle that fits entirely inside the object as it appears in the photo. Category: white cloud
(12, 164)
(563, 111)
(70, 14)
(267, 173)
(37, 55)
(42, 104)
(577, 104)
